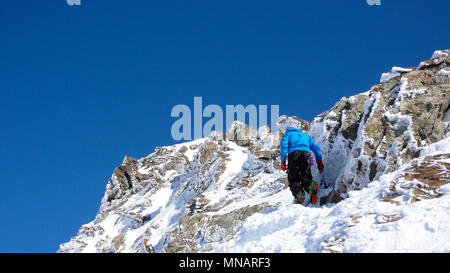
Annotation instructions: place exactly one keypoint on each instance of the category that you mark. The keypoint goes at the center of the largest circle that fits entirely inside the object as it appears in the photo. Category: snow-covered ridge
(386, 154)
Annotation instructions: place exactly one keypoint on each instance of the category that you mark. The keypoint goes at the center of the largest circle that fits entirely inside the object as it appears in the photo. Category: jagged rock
(118, 241)
(285, 122)
(263, 132)
(242, 134)
(395, 72)
(440, 58)
(199, 232)
(369, 134)
(207, 150)
(264, 155)
(422, 181)
(217, 136)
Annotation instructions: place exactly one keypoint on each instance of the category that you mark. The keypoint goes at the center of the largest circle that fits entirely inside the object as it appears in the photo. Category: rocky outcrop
(369, 134)
(242, 134)
(422, 180)
(199, 232)
(167, 195)
(285, 122)
(121, 185)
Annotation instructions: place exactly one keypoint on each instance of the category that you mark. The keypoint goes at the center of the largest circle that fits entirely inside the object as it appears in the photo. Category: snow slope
(361, 223)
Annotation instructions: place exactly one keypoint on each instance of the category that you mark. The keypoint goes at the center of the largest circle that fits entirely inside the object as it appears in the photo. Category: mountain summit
(387, 165)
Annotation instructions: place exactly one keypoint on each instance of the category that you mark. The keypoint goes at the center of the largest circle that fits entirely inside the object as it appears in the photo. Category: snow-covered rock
(242, 134)
(439, 59)
(375, 132)
(386, 154)
(444, 72)
(395, 72)
(440, 53)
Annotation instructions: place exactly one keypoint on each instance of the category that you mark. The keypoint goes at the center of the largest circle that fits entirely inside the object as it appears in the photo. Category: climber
(297, 147)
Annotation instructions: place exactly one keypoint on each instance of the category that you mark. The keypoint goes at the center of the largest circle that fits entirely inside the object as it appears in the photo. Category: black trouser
(299, 172)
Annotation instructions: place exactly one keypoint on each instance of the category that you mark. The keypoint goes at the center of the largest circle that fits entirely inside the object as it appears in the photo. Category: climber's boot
(300, 197)
(313, 189)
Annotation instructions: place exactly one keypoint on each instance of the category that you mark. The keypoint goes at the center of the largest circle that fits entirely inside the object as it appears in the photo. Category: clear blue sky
(81, 87)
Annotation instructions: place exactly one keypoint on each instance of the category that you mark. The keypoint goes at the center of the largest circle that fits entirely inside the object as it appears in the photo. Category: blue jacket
(295, 140)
